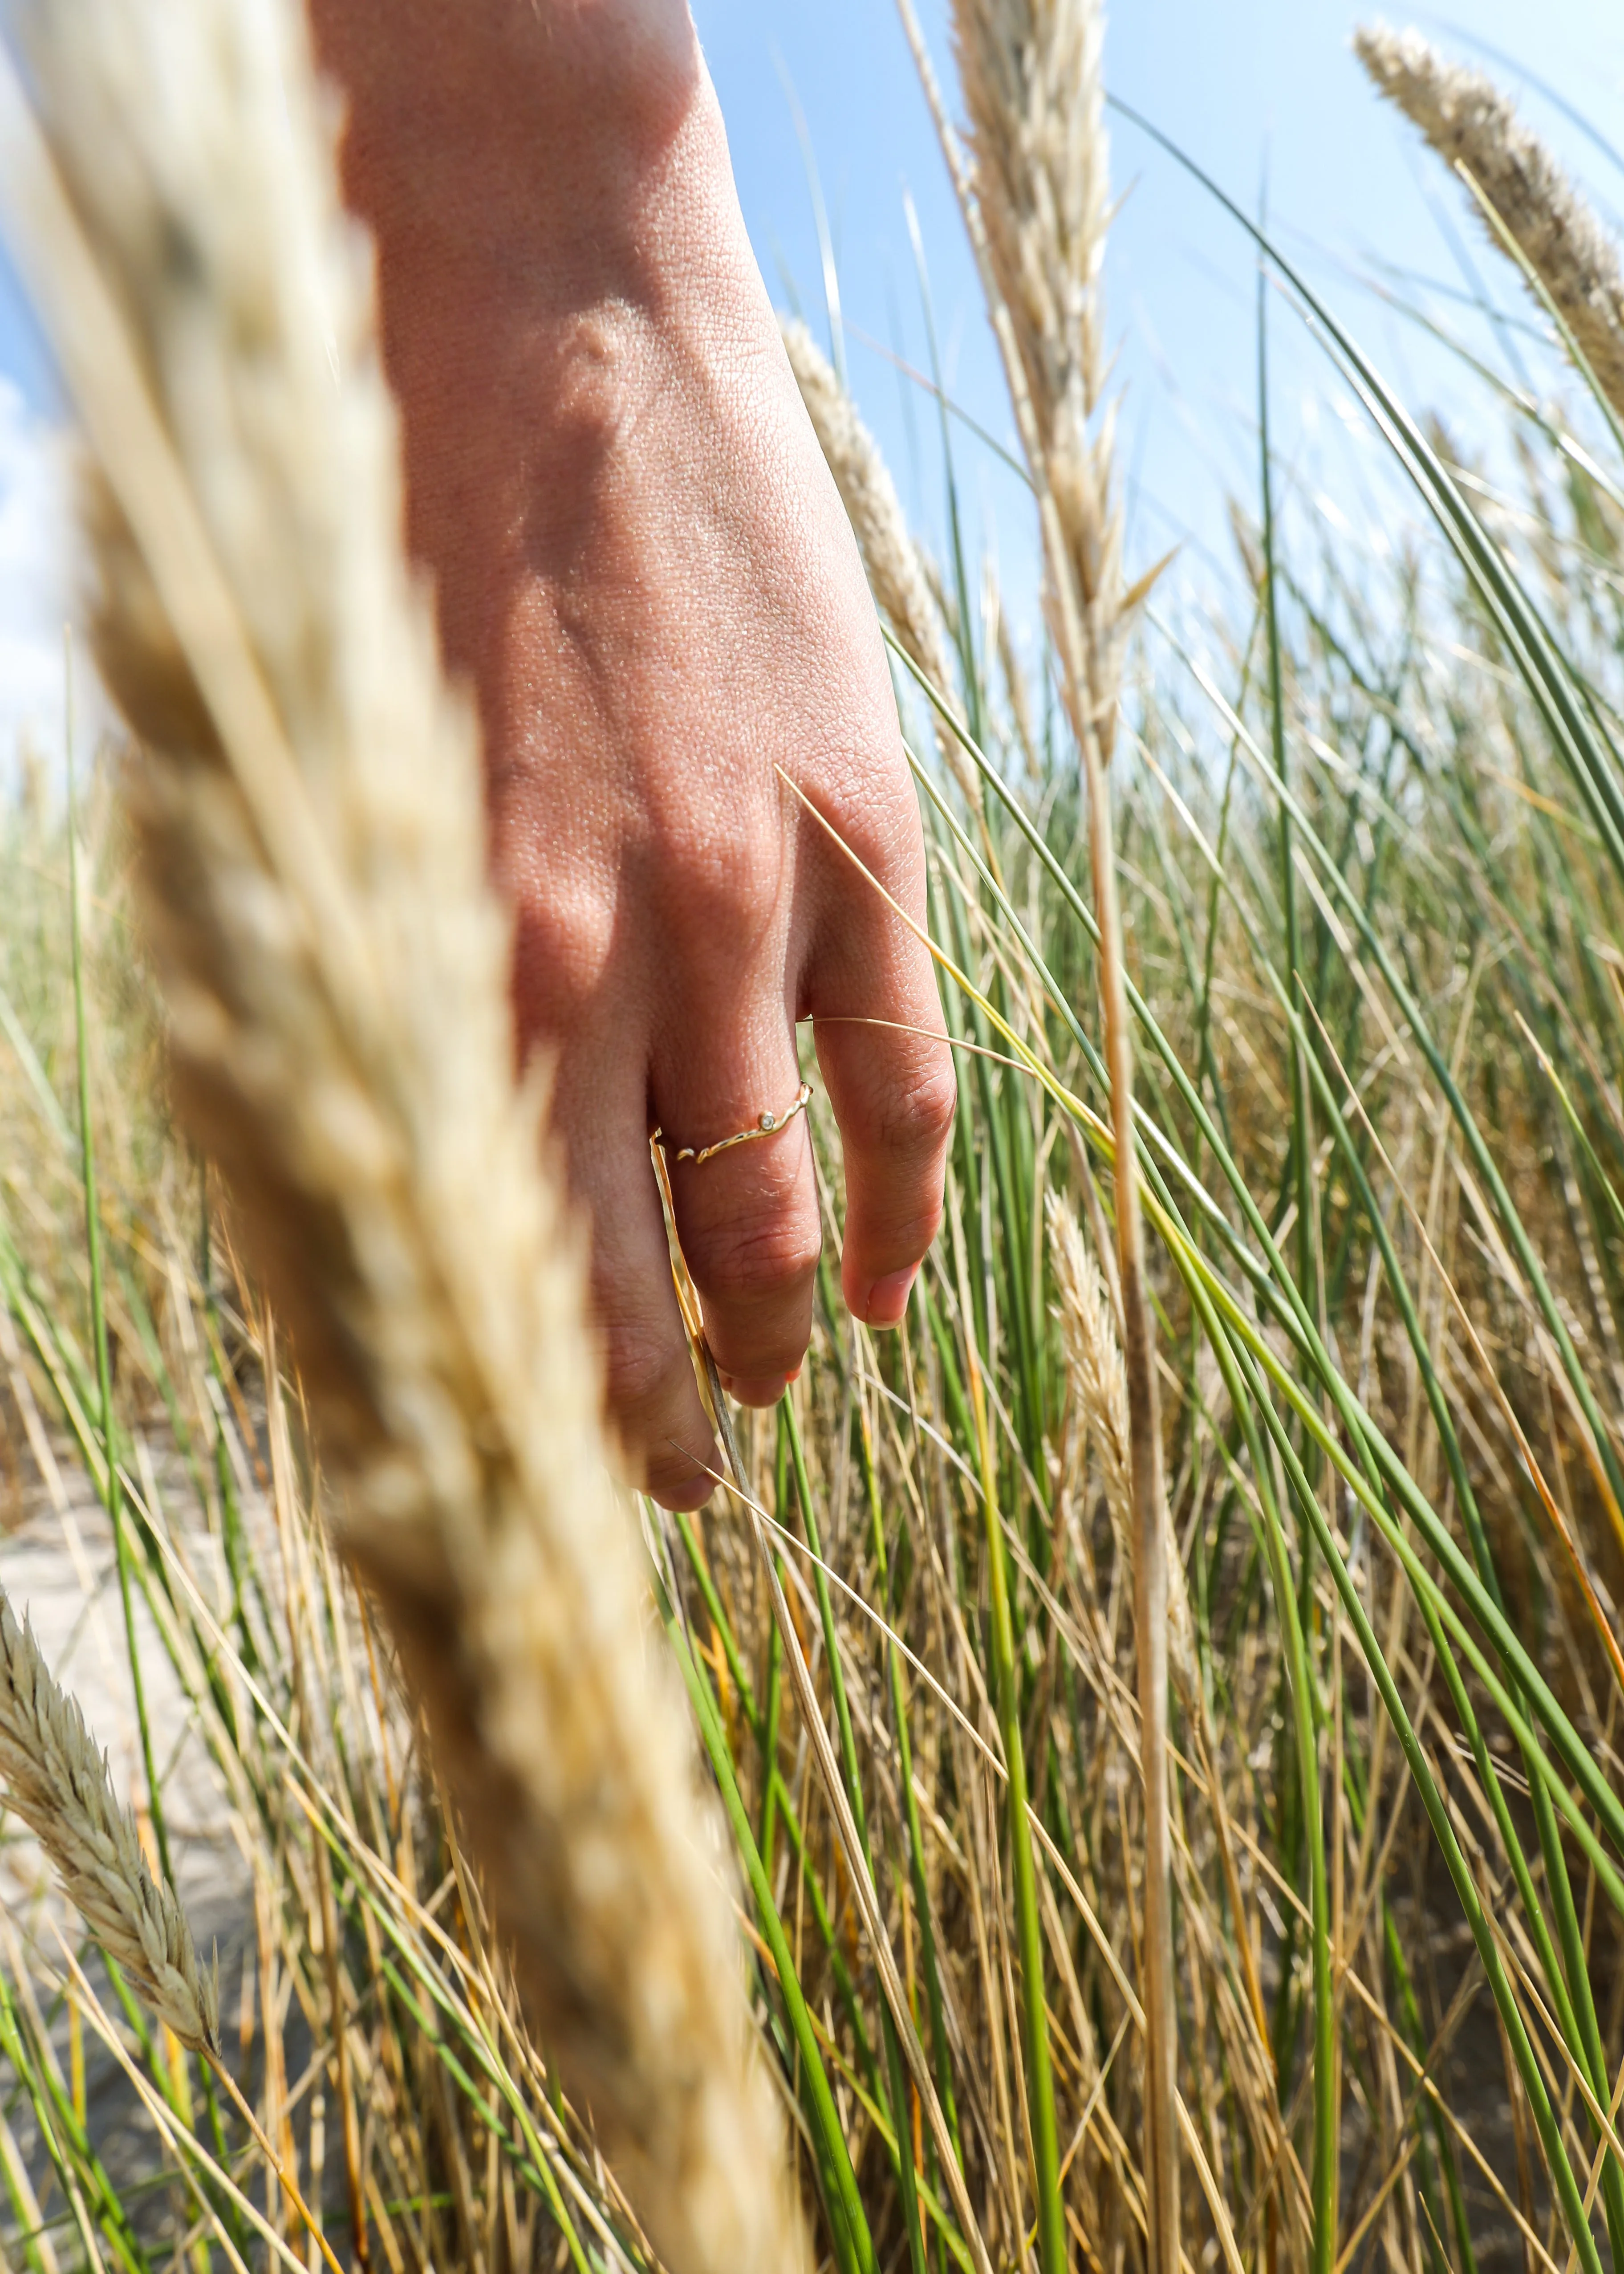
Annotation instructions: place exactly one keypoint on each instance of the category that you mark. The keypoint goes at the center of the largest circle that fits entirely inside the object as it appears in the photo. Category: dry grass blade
(59, 1785)
(309, 818)
(1472, 125)
(875, 511)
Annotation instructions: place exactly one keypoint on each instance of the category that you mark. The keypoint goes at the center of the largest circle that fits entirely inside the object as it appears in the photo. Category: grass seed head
(1095, 1361)
(59, 1785)
(1030, 70)
(1100, 1383)
(1471, 125)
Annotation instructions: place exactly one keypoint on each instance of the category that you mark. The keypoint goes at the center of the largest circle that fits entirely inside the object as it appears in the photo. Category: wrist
(546, 149)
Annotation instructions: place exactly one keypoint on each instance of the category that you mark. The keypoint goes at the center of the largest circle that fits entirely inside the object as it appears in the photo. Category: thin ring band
(766, 1125)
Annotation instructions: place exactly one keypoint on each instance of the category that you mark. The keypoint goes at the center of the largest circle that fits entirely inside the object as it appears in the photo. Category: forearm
(548, 188)
(550, 151)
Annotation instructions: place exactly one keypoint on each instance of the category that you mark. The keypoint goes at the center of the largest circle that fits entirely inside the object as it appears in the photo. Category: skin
(643, 568)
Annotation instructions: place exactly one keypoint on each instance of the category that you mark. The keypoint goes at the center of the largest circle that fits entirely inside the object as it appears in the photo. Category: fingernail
(888, 1298)
(766, 1391)
(732, 1382)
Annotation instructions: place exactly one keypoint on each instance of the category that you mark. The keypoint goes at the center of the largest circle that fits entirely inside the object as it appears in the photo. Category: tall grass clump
(1274, 1920)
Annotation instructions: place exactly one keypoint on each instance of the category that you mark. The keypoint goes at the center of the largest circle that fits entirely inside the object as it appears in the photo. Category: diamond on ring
(766, 1125)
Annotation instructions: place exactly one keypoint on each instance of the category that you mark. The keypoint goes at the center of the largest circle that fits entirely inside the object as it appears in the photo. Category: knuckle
(724, 886)
(752, 1263)
(642, 1369)
(915, 1116)
(677, 1479)
(869, 802)
(562, 943)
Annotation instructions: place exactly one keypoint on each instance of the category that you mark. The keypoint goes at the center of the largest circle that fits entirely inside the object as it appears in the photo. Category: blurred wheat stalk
(308, 811)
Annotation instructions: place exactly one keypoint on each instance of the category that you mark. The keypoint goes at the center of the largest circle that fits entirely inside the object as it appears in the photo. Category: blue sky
(1253, 89)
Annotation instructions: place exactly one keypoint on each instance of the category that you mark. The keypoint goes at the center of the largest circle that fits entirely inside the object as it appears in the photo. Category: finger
(893, 1088)
(652, 1397)
(748, 1217)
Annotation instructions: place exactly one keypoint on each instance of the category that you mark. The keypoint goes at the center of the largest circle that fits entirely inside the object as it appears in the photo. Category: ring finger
(747, 1215)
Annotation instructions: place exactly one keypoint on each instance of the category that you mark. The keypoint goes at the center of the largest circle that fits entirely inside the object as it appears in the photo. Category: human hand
(642, 564)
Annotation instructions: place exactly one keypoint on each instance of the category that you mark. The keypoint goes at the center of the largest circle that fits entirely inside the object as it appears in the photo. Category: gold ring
(766, 1125)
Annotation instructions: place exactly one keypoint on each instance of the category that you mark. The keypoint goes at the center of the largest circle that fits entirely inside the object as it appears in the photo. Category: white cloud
(39, 586)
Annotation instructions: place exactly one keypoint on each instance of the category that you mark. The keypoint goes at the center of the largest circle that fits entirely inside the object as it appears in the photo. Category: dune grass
(1371, 852)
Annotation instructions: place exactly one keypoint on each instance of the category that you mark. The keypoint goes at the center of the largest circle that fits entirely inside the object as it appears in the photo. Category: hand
(641, 562)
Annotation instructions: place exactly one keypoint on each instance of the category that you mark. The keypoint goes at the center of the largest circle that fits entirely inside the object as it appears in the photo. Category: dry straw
(309, 810)
(1474, 128)
(1037, 201)
(1030, 72)
(889, 553)
(59, 1785)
